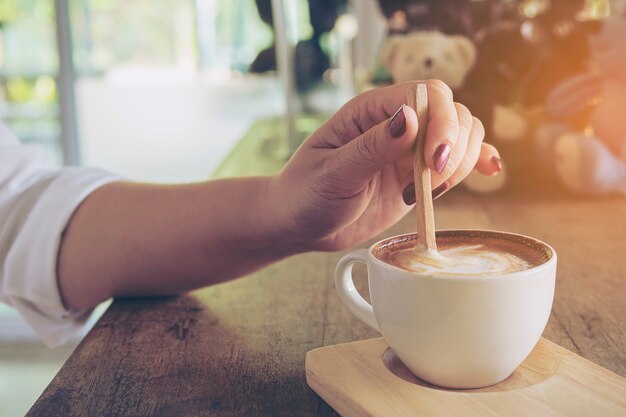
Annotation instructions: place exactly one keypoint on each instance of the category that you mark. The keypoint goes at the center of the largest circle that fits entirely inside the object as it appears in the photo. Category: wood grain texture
(238, 349)
(417, 99)
(365, 379)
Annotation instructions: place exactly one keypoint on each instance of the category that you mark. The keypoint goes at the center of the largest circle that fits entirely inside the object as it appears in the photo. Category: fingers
(469, 160)
(469, 152)
(354, 164)
(443, 126)
(465, 121)
(489, 162)
(364, 139)
(456, 155)
(375, 106)
(443, 122)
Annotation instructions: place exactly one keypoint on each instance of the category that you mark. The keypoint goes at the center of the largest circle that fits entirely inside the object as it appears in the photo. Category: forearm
(136, 239)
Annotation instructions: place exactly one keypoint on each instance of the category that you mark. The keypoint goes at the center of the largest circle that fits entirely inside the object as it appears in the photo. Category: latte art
(462, 260)
(468, 255)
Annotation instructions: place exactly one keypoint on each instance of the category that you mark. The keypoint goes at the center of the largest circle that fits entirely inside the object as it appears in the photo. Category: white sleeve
(36, 203)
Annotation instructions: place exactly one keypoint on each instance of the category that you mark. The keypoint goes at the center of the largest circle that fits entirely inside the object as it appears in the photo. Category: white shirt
(36, 203)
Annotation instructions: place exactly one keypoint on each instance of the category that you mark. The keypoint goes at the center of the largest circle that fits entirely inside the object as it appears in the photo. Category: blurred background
(161, 89)
(185, 90)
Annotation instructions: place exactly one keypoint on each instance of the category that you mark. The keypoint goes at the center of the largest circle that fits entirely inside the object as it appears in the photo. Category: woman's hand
(353, 177)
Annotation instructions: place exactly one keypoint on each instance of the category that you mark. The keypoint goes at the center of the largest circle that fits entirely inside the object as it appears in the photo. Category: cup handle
(347, 291)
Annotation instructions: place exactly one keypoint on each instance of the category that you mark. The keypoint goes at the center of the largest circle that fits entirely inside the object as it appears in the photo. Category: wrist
(272, 232)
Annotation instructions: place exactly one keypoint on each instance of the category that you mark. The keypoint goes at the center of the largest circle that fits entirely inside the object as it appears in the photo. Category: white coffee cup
(451, 331)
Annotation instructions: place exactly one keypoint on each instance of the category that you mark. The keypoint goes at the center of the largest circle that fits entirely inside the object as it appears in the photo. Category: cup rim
(547, 264)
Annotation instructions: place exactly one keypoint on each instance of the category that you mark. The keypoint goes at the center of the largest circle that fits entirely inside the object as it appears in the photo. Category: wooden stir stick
(417, 98)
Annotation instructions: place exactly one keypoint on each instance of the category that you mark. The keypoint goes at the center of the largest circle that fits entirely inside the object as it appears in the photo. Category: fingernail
(442, 153)
(408, 195)
(397, 124)
(497, 162)
(440, 190)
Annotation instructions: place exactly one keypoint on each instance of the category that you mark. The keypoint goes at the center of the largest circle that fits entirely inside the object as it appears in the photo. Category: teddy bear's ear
(466, 50)
(389, 49)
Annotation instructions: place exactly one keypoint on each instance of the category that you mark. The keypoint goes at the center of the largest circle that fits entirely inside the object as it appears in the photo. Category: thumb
(360, 159)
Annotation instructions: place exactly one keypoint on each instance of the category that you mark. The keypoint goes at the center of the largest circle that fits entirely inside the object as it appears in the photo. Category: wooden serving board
(366, 379)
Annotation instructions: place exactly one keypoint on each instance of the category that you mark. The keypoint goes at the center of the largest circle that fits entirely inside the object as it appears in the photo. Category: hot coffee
(464, 253)
(461, 324)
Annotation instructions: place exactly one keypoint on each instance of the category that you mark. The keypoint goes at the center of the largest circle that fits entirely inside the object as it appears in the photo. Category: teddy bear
(428, 54)
(590, 159)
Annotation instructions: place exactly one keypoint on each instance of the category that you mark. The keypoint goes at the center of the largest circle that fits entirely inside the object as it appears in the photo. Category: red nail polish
(442, 153)
(497, 162)
(397, 124)
(408, 195)
(440, 190)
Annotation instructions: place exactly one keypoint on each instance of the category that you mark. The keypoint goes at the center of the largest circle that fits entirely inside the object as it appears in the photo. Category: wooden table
(238, 349)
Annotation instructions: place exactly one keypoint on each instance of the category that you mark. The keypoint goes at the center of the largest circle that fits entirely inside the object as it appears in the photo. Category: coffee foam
(465, 253)
(461, 260)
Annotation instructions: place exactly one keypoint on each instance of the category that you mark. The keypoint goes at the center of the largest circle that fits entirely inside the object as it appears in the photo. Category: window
(28, 70)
